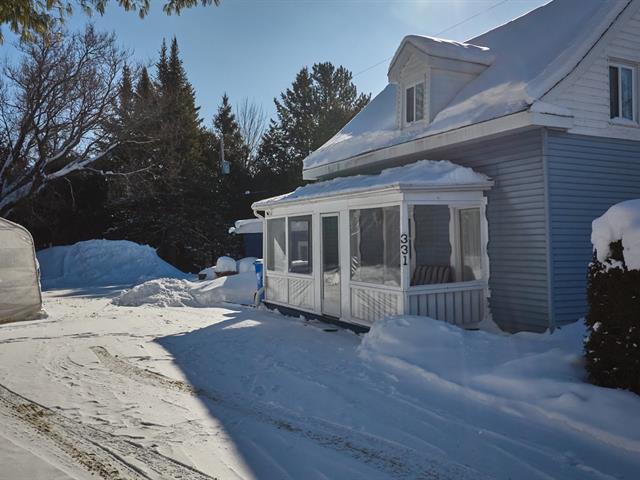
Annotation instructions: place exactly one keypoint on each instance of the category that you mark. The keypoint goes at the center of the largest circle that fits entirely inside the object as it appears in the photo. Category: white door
(330, 265)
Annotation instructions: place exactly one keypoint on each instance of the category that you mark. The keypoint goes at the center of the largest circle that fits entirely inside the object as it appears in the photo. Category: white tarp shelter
(20, 297)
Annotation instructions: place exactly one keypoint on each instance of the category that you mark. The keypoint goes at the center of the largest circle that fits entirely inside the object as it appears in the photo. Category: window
(414, 103)
(470, 245)
(431, 245)
(375, 245)
(300, 244)
(621, 92)
(276, 245)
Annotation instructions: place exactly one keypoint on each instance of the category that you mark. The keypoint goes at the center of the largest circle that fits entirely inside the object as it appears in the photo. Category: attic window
(621, 92)
(414, 103)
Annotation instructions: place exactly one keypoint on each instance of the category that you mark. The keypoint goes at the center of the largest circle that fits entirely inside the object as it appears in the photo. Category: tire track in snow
(397, 460)
(100, 453)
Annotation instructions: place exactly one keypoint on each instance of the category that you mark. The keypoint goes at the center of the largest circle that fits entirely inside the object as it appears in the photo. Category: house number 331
(404, 248)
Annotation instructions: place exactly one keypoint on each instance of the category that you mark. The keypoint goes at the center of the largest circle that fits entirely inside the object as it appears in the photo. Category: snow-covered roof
(441, 47)
(529, 55)
(423, 174)
(249, 225)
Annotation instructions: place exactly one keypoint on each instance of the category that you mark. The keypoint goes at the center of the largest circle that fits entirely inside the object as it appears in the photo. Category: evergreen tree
(235, 185)
(316, 106)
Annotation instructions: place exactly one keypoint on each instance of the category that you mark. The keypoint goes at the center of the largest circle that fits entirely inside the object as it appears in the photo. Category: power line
(495, 5)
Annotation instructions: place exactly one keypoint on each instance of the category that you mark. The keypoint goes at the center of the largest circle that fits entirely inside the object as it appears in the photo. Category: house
(541, 115)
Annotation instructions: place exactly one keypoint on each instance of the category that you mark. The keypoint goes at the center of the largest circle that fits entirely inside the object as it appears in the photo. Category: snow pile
(169, 292)
(248, 225)
(620, 222)
(526, 374)
(101, 263)
(209, 273)
(424, 173)
(226, 265)
(246, 265)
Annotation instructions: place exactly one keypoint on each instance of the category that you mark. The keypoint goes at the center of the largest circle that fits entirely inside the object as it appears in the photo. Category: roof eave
(392, 188)
(511, 123)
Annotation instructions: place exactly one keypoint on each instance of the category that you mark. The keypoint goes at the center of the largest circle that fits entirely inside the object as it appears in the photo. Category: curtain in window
(626, 90)
(375, 245)
(276, 245)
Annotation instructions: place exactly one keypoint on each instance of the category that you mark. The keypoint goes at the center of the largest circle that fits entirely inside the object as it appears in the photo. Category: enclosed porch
(410, 240)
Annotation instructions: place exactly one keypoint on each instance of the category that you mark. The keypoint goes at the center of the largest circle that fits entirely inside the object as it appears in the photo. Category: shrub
(612, 347)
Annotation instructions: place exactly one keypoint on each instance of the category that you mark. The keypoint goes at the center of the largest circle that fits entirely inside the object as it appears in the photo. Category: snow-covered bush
(612, 347)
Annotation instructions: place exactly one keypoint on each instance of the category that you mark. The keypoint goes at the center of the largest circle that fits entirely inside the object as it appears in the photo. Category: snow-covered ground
(235, 392)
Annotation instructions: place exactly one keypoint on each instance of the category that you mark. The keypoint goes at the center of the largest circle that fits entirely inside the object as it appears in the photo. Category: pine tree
(235, 186)
(316, 106)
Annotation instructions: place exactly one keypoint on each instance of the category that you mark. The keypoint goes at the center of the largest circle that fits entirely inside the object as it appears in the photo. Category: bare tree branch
(252, 122)
(54, 110)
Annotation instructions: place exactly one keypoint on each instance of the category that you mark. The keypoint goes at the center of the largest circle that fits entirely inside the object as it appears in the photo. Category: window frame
(366, 283)
(407, 87)
(298, 217)
(619, 119)
(286, 242)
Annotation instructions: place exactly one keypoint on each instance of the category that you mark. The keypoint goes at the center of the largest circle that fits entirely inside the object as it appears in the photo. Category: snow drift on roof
(248, 225)
(425, 173)
(441, 47)
(532, 53)
(620, 222)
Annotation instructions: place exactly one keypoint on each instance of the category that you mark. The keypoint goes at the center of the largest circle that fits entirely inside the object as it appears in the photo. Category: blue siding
(586, 175)
(516, 212)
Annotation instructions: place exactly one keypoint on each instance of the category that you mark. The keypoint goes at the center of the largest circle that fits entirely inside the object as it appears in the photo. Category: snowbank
(620, 222)
(169, 292)
(225, 265)
(246, 265)
(100, 263)
(525, 374)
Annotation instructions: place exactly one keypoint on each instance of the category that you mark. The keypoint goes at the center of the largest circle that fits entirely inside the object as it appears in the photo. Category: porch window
(276, 245)
(300, 244)
(470, 245)
(621, 92)
(430, 225)
(446, 244)
(375, 245)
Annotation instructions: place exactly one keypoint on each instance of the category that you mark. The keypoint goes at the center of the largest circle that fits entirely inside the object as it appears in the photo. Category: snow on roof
(620, 222)
(249, 225)
(441, 47)
(531, 54)
(425, 173)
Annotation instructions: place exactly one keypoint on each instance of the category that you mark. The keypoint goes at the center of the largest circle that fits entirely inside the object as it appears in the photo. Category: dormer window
(414, 103)
(622, 92)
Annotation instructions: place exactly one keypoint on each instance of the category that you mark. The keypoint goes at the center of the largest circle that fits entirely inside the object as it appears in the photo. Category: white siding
(586, 91)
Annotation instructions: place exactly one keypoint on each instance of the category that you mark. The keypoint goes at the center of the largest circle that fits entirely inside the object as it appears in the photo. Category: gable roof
(531, 54)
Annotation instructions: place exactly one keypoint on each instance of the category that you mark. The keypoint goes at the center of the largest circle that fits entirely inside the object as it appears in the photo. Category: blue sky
(254, 48)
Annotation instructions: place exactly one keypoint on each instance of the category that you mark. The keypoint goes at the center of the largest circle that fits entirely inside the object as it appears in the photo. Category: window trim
(286, 243)
(407, 87)
(620, 120)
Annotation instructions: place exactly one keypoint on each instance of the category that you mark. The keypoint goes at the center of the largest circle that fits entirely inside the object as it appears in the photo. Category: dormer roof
(440, 48)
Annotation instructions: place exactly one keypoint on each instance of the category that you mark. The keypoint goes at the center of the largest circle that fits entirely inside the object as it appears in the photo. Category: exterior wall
(585, 92)
(516, 212)
(586, 176)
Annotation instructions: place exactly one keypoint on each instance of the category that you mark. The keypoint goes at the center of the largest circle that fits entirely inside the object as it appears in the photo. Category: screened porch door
(330, 266)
